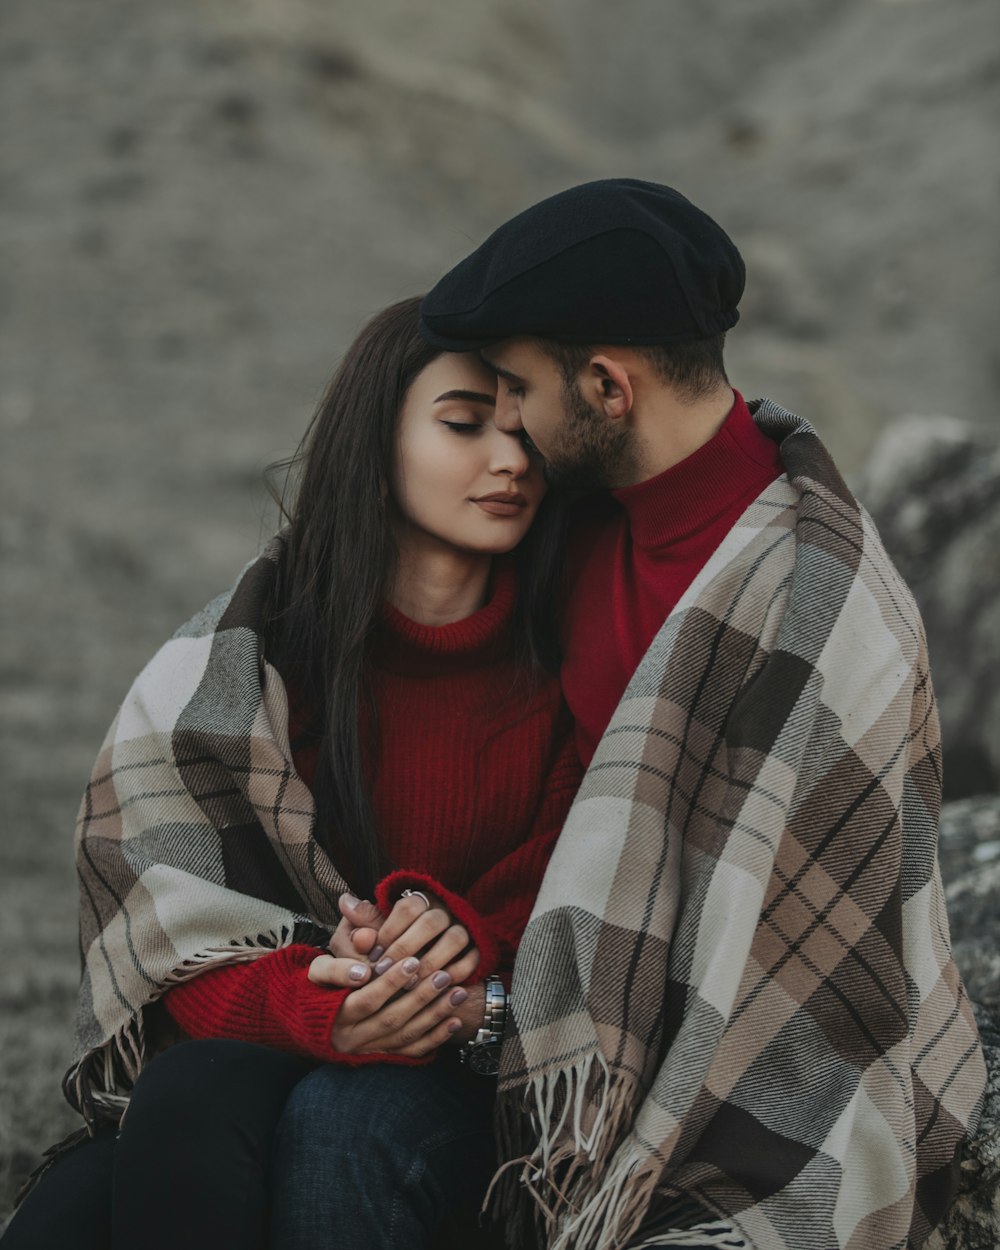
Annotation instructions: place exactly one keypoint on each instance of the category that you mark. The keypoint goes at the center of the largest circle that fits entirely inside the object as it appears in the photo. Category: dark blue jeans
(382, 1156)
(223, 1137)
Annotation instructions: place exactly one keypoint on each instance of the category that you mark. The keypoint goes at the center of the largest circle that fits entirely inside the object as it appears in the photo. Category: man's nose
(507, 416)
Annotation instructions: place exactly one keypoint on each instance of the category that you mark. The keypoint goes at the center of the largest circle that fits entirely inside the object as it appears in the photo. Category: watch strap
(494, 1018)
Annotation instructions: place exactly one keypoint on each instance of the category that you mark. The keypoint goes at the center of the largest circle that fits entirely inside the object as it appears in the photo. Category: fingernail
(348, 900)
(458, 997)
(411, 983)
(376, 954)
(358, 972)
(411, 964)
(382, 967)
(454, 1026)
(440, 979)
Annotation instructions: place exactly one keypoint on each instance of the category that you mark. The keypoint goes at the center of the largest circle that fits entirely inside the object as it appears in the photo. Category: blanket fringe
(564, 1185)
(702, 1236)
(682, 1220)
(98, 1084)
(95, 1086)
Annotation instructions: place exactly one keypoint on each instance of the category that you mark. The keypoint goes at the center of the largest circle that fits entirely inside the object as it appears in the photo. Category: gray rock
(974, 1220)
(933, 486)
(970, 836)
(970, 864)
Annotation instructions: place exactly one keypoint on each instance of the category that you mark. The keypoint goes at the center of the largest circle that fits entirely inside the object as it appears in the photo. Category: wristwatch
(482, 1054)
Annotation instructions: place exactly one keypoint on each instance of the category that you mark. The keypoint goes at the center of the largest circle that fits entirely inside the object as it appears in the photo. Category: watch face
(485, 1058)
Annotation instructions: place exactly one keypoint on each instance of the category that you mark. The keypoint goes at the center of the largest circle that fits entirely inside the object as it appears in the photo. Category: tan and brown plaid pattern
(736, 1018)
(194, 842)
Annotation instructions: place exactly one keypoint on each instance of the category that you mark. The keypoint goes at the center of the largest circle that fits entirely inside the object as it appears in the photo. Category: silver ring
(417, 894)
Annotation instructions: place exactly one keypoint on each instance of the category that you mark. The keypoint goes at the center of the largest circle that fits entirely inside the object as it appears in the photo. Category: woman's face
(459, 481)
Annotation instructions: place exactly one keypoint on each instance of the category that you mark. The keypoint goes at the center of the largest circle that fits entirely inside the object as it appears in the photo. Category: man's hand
(358, 930)
(430, 932)
(471, 1013)
(412, 928)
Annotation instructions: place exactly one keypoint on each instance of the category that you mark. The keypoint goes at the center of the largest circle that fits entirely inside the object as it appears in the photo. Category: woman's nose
(510, 455)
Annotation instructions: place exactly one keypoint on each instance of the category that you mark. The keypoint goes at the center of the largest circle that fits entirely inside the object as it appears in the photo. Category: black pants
(116, 1184)
(191, 1167)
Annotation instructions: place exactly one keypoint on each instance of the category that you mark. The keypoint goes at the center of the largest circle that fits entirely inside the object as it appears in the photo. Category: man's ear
(609, 387)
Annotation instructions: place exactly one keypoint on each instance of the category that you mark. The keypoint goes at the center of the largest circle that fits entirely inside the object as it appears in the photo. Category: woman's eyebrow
(472, 397)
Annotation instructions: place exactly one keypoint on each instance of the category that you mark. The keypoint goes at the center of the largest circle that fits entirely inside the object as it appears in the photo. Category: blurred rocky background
(201, 202)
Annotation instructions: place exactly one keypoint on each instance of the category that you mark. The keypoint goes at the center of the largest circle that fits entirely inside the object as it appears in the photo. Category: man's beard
(589, 452)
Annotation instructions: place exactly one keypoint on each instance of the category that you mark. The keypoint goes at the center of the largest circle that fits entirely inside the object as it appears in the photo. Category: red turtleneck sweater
(633, 563)
(470, 788)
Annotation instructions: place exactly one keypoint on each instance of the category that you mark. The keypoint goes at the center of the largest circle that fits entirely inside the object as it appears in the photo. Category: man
(653, 283)
(735, 1016)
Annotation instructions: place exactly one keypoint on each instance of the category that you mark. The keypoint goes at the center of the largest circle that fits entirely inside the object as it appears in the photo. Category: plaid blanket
(734, 1006)
(736, 1019)
(194, 842)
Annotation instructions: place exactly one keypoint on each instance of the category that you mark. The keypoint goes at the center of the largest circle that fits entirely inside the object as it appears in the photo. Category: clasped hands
(406, 972)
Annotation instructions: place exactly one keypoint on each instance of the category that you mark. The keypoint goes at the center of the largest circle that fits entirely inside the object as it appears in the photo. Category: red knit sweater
(470, 787)
(633, 561)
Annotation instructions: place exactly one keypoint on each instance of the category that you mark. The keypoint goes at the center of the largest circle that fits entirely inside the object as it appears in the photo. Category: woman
(367, 711)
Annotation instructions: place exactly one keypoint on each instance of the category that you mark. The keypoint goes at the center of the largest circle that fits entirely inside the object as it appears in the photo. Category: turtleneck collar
(409, 648)
(691, 494)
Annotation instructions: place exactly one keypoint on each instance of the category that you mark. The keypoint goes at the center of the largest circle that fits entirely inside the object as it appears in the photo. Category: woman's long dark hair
(339, 566)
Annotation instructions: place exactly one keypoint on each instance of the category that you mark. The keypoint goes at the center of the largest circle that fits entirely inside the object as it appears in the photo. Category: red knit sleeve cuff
(318, 1010)
(270, 1001)
(390, 888)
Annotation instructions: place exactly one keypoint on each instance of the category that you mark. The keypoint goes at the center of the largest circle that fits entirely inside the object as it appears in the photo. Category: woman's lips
(503, 503)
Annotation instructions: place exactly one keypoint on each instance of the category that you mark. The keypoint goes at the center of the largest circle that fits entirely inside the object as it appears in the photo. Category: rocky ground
(200, 202)
(970, 861)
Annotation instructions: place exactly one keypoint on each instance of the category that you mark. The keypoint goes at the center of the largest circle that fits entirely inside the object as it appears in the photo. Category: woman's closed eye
(464, 427)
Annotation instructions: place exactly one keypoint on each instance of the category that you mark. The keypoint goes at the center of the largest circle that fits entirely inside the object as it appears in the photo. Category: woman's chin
(499, 538)
(498, 547)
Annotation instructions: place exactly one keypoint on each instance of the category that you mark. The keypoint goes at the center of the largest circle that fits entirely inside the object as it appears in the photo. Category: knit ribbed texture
(470, 787)
(632, 565)
(270, 1001)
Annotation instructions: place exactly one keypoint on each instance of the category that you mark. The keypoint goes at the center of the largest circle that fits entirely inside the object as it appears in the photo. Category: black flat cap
(615, 261)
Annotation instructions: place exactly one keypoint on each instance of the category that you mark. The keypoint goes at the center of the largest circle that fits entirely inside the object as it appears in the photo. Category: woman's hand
(401, 1012)
(335, 972)
(404, 1003)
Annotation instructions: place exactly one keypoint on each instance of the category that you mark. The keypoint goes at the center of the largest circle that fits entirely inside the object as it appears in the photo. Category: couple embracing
(551, 810)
